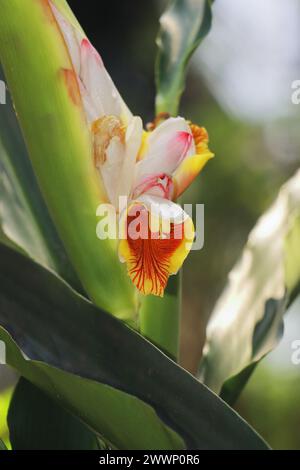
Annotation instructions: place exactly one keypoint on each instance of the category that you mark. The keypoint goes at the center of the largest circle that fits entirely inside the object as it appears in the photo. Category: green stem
(160, 318)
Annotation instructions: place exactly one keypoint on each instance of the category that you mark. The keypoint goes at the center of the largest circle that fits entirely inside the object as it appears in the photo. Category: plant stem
(160, 318)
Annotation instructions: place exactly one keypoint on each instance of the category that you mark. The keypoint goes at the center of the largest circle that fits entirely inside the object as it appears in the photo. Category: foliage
(85, 372)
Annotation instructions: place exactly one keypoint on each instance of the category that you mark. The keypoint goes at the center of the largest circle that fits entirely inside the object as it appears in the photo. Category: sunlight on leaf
(247, 321)
(182, 27)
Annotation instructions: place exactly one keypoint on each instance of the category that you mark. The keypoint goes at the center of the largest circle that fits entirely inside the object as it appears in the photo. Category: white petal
(111, 169)
(99, 94)
(98, 83)
(94, 80)
(164, 209)
(71, 37)
(118, 170)
(89, 107)
(133, 141)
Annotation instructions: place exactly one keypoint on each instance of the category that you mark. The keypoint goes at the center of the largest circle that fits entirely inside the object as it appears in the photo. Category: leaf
(292, 259)
(247, 321)
(7, 386)
(2, 445)
(36, 422)
(24, 217)
(49, 107)
(103, 372)
(182, 27)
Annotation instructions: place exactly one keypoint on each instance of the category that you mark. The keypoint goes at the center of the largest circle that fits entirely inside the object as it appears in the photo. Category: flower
(151, 168)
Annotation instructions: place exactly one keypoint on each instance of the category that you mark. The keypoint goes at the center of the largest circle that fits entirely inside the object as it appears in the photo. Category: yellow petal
(188, 170)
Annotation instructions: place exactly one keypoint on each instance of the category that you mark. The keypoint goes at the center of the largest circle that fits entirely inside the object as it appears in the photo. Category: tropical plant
(95, 340)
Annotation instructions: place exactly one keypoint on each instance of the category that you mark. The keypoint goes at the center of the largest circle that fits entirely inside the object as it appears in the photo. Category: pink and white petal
(98, 83)
(167, 146)
(160, 136)
(160, 185)
(99, 94)
(93, 78)
(72, 37)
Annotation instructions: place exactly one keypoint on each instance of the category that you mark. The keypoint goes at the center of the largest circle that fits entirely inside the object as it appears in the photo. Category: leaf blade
(183, 26)
(36, 422)
(2, 445)
(110, 361)
(24, 216)
(247, 321)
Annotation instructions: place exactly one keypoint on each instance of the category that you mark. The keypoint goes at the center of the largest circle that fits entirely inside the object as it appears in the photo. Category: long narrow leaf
(183, 26)
(247, 321)
(24, 216)
(120, 385)
(2, 445)
(36, 422)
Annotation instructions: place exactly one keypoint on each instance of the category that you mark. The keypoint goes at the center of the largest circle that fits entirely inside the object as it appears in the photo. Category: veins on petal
(149, 262)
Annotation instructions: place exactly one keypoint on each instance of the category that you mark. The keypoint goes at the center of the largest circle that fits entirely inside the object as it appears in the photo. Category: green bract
(33, 53)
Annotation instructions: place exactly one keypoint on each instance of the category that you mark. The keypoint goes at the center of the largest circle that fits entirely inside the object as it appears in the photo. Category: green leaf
(36, 422)
(103, 372)
(292, 259)
(8, 383)
(2, 445)
(24, 217)
(183, 26)
(49, 107)
(247, 321)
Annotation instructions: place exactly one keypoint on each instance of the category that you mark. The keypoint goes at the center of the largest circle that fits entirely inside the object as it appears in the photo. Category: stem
(160, 318)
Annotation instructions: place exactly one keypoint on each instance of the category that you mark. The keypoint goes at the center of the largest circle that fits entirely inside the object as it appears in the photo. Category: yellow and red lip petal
(151, 259)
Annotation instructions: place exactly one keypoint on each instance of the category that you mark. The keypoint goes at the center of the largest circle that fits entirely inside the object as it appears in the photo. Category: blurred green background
(239, 88)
